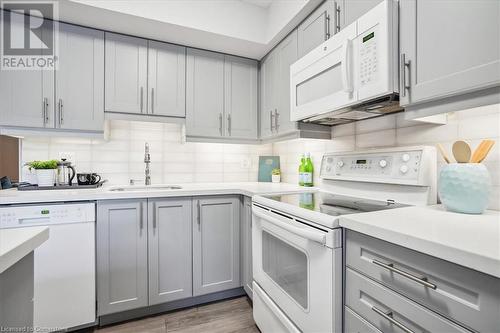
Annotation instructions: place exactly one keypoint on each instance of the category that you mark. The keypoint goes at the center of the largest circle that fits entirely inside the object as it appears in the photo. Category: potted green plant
(45, 171)
(276, 175)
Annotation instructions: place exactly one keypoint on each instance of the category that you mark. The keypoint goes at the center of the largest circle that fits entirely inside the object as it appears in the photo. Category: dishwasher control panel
(29, 215)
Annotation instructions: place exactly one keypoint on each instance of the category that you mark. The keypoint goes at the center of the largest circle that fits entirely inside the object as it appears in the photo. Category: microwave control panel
(368, 57)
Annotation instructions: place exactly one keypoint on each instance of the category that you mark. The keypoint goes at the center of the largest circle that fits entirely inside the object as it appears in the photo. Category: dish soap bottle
(308, 171)
(302, 169)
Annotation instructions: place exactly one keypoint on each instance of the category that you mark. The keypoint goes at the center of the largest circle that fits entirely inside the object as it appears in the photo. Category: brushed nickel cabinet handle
(154, 215)
(390, 267)
(271, 116)
(337, 15)
(327, 27)
(389, 317)
(45, 110)
(152, 100)
(403, 65)
(142, 99)
(141, 220)
(198, 215)
(61, 116)
(229, 124)
(276, 122)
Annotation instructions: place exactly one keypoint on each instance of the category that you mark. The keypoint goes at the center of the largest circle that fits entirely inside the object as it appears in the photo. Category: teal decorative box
(465, 187)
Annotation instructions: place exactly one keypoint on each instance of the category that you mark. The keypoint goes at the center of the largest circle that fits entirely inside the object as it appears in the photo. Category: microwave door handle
(316, 236)
(345, 66)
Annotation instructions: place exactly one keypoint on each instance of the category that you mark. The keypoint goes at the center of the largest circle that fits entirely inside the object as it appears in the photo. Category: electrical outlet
(68, 155)
(245, 163)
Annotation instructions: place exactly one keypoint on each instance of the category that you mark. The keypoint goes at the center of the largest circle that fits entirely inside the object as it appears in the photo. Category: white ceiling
(248, 28)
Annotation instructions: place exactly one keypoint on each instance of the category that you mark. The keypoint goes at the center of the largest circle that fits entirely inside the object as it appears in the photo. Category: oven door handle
(316, 236)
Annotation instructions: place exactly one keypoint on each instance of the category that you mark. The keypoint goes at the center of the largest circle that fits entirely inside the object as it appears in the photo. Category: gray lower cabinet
(246, 246)
(79, 103)
(462, 56)
(122, 255)
(169, 249)
(216, 244)
(126, 74)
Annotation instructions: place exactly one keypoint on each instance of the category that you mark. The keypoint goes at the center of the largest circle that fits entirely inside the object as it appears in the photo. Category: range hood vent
(374, 108)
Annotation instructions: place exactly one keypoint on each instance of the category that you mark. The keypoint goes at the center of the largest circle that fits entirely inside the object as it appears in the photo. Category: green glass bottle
(308, 171)
(301, 169)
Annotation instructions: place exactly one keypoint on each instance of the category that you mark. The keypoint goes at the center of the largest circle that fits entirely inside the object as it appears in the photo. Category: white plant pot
(276, 178)
(46, 177)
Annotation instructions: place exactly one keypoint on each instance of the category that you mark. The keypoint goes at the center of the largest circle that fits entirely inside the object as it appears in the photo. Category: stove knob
(405, 157)
(403, 169)
(382, 163)
(328, 168)
(340, 164)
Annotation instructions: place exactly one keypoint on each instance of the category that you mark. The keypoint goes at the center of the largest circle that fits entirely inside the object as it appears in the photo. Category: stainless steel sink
(133, 188)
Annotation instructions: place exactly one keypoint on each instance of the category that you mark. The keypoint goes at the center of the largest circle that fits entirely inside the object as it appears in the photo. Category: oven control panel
(378, 166)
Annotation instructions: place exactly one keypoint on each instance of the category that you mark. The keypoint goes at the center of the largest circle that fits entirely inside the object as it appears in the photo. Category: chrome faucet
(147, 160)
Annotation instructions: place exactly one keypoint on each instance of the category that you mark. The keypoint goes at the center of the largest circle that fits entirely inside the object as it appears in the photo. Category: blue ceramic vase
(465, 187)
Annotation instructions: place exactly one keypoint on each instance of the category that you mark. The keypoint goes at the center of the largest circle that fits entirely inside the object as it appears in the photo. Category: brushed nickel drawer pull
(389, 317)
(422, 280)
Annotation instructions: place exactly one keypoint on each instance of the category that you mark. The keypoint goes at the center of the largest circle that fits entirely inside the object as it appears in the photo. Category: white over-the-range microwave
(351, 76)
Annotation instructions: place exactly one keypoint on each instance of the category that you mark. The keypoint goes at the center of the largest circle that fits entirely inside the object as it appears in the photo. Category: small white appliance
(64, 291)
(351, 76)
(297, 242)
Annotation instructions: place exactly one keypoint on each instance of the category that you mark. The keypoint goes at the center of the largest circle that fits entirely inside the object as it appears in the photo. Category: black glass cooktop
(333, 204)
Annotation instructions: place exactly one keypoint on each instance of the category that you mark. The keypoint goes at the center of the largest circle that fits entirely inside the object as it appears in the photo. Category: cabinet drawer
(355, 324)
(389, 311)
(464, 295)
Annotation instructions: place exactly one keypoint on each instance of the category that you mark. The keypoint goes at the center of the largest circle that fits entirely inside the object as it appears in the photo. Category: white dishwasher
(64, 294)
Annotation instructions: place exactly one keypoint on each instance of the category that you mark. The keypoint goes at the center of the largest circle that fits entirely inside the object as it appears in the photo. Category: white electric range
(297, 242)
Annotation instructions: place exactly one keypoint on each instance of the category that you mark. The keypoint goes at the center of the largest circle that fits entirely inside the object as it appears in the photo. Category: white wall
(470, 125)
(122, 158)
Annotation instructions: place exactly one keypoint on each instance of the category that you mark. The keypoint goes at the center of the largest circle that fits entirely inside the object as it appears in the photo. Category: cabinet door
(462, 55)
(166, 79)
(354, 9)
(317, 28)
(216, 244)
(26, 96)
(170, 250)
(268, 76)
(126, 74)
(287, 55)
(204, 93)
(246, 245)
(122, 258)
(240, 97)
(80, 79)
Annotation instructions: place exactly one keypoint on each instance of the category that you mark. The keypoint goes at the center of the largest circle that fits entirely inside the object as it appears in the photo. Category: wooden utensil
(482, 151)
(443, 153)
(461, 151)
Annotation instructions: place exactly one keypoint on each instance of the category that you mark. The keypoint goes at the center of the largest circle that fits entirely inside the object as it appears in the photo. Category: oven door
(322, 80)
(294, 265)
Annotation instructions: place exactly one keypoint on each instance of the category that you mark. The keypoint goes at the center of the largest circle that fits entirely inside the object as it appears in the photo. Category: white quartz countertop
(13, 196)
(16, 243)
(469, 240)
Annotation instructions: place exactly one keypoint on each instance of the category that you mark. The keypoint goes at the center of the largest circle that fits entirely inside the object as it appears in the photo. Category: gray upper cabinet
(246, 246)
(126, 74)
(216, 244)
(240, 97)
(122, 255)
(204, 93)
(462, 56)
(351, 10)
(166, 80)
(268, 94)
(79, 102)
(170, 249)
(317, 28)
